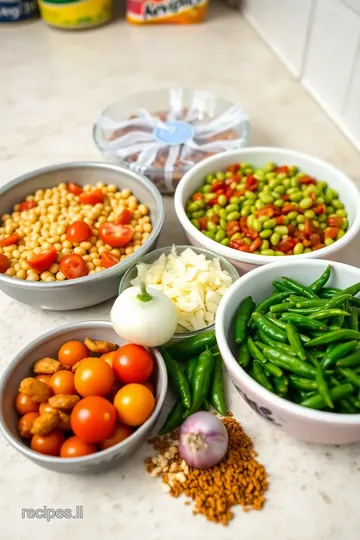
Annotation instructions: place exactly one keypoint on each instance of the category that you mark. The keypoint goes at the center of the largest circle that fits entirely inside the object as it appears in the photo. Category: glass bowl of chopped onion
(195, 279)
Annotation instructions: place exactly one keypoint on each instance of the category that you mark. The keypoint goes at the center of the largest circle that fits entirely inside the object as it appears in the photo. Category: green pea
(296, 197)
(286, 182)
(328, 241)
(280, 190)
(265, 198)
(298, 249)
(222, 200)
(300, 218)
(328, 196)
(307, 250)
(282, 176)
(265, 244)
(330, 210)
(294, 182)
(198, 214)
(253, 207)
(225, 242)
(209, 196)
(220, 235)
(250, 195)
(194, 206)
(245, 211)
(266, 233)
(216, 209)
(259, 204)
(321, 218)
(263, 219)
(247, 241)
(256, 252)
(211, 226)
(229, 174)
(270, 224)
(239, 186)
(195, 223)
(320, 200)
(275, 238)
(258, 176)
(274, 183)
(316, 223)
(249, 170)
(266, 189)
(281, 229)
(292, 215)
(220, 175)
(292, 190)
(210, 234)
(268, 252)
(344, 224)
(341, 213)
(279, 253)
(235, 236)
(293, 170)
(223, 223)
(323, 226)
(222, 213)
(250, 221)
(321, 185)
(280, 203)
(306, 203)
(233, 216)
(293, 222)
(210, 213)
(206, 189)
(310, 214)
(334, 193)
(232, 208)
(209, 178)
(234, 200)
(257, 225)
(301, 226)
(269, 167)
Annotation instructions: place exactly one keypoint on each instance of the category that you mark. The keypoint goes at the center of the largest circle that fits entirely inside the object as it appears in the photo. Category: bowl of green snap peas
(289, 335)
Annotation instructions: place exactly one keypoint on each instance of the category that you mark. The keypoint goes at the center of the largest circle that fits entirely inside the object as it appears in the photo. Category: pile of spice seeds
(238, 479)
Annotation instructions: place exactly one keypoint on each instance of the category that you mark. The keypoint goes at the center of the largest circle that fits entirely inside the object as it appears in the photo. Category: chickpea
(129, 250)
(32, 277)
(10, 272)
(60, 276)
(136, 214)
(50, 278)
(54, 268)
(79, 250)
(21, 274)
(66, 244)
(86, 245)
(90, 266)
(147, 227)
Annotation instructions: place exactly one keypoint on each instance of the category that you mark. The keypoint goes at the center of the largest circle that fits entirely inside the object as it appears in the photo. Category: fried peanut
(35, 389)
(45, 423)
(100, 347)
(64, 420)
(64, 401)
(75, 366)
(47, 365)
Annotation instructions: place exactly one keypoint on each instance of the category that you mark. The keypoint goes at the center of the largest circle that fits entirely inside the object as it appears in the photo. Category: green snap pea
(269, 328)
(302, 384)
(281, 385)
(305, 303)
(267, 341)
(281, 287)
(304, 322)
(291, 363)
(336, 393)
(335, 351)
(245, 311)
(280, 308)
(327, 313)
(177, 379)
(323, 388)
(354, 319)
(353, 290)
(317, 285)
(295, 341)
(302, 290)
(350, 376)
(337, 301)
(353, 360)
(265, 305)
(328, 292)
(243, 357)
(331, 337)
(260, 376)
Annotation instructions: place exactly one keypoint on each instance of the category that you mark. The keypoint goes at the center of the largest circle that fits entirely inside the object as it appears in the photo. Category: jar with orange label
(166, 11)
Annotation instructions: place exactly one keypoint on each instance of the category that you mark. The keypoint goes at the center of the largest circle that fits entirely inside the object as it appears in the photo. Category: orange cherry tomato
(26, 423)
(121, 433)
(150, 386)
(133, 364)
(93, 377)
(44, 378)
(45, 407)
(74, 188)
(78, 231)
(73, 266)
(62, 382)
(27, 205)
(9, 240)
(75, 447)
(72, 352)
(93, 419)
(134, 403)
(43, 260)
(92, 197)
(4, 263)
(49, 444)
(108, 357)
(24, 404)
(124, 217)
(115, 235)
(108, 259)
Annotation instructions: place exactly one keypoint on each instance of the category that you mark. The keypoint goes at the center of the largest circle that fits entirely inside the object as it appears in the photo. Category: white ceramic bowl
(299, 422)
(259, 156)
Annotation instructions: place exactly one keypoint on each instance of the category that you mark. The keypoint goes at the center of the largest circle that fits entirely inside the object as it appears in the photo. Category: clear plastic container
(149, 258)
(163, 133)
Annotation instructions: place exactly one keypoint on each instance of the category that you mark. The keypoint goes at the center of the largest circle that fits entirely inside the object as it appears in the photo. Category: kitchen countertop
(54, 85)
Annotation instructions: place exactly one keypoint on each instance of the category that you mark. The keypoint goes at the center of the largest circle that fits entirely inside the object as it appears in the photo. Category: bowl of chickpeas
(68, 232)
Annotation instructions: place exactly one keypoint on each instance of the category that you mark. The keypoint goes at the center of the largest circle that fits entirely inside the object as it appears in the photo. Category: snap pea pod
(280, 287)
(177, 379)
(245, 310)
(302, 290)
(295, 341)
(331, 337)
(282, 325)
(280, 308)
(201, 380)
(267, 341)
(322, 280)
(338, 392)
(335, 351)
(312, 358)
(328, 292)
(265, 305)
(304, 311)
(281, 385)
(323, 388)
(174, 418)
(269, 368)
(260, 376)
(269, 328)
(354, 319)
(217, 390)
(351, 376)
(353, 360)
(353, 290)
(301, 383)
(304, 322)
(290, 363)
(355, 301)
(328, 313)
(192, 346)
(337, 301)
(243, 357)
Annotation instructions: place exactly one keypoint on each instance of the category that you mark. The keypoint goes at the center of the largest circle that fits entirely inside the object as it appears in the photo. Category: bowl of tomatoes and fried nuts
(80, 399)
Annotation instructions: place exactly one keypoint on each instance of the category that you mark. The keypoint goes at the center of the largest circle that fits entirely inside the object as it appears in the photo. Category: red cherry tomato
(78, 231)
(71, 352)
(48, 444)
(27, 205)
(93, 419)
(75, 447)
(74, 188)
(91, 197)
(133, 364)
(108, 259)
(44, 260)
(4, 263)
(73, 266)
(125, 217)
(93, 377)
(115, 235)
(9, 240)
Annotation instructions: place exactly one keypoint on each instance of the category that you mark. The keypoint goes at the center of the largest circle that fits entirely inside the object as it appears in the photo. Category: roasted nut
(35, 389)
(64, 401)
(64, 420)
(100, 347)
(45, 423)
(47, 365)
(75, 366)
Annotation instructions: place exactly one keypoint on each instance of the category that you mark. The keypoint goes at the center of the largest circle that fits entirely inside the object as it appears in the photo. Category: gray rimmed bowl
(47, 345)
(96, 288)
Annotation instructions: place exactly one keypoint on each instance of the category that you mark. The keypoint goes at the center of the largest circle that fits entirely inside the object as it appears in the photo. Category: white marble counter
(53, 85)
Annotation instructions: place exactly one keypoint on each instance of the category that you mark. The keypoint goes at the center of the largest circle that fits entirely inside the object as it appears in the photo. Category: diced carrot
(255, 244)
(335, 221)
(331, 232)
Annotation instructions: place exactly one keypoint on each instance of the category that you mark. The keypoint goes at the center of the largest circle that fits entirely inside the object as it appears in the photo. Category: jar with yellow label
(75, 14)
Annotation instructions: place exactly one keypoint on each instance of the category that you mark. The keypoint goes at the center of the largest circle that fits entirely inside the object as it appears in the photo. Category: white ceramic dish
(259, 156)
(299, 422)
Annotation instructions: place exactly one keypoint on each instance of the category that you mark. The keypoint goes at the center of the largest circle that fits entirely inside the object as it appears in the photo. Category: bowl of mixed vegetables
(255, 205)
(289, 336)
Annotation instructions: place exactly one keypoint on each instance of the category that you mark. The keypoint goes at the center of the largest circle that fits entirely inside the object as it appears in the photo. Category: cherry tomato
(133, 364)
(24, 404)
(108, 259)
(43, 260)
(78, 231)
(124, 217)
(44, 378)
(91, 197)
(73, 266)
(134, 403)
(9, 240)
(62, 382)
(108, 357)
(4, 263)
(115, 235)
(121, 433)
(72, 352)
(93, 419)
(74, 188)
(48, 444)
(45, 407)
(27, 205)
(75, 447)
(26, 423)
(150, 386)
(94, 377)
